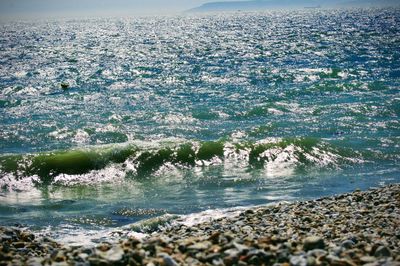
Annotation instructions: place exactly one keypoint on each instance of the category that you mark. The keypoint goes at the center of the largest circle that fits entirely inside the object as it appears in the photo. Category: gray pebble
(169, 261)
(313, 242)
(317, 253)
(298, 261)
(382, 251)
(347, 244)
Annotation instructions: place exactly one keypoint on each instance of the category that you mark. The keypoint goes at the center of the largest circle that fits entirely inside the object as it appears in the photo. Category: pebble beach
(359, 228)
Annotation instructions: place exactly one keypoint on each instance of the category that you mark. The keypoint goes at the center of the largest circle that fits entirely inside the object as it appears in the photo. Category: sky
(93, 7)
(90, 8)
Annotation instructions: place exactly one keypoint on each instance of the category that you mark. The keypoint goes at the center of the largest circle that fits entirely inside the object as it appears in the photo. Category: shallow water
(106, 122)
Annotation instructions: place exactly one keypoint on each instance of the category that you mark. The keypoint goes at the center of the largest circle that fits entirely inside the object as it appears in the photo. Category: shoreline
(358, 228)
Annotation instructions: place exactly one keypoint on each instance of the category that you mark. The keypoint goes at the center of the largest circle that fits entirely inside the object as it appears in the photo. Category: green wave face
(72, 162)
(299, 152)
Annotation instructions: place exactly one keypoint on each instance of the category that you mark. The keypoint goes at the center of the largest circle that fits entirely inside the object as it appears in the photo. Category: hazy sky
(93, 7)
(88, 8)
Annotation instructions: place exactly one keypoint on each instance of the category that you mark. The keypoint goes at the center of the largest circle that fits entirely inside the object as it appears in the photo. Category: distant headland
(280, 4)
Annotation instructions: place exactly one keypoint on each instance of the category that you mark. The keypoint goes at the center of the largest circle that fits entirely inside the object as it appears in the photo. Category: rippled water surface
(105, 122)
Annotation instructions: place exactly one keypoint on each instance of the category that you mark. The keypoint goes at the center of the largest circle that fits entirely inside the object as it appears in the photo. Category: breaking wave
(138, 160)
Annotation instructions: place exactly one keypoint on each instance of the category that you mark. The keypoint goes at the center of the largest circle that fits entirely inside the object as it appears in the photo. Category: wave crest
(139, 160)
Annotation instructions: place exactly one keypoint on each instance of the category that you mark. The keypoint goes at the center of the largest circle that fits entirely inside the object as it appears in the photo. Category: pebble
(313, 242)
(298, 261)
(168, 261)
(347, 244)
(316, 253)
(382, 251)
(113, 255)
(367, 259)
(200, 246)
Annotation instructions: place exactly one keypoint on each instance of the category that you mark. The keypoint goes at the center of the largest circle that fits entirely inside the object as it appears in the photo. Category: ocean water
(108, 122)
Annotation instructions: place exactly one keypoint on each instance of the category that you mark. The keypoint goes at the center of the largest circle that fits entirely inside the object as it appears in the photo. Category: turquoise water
(106, 122)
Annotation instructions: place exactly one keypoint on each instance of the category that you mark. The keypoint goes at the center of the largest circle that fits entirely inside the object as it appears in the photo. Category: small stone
(382, 251)
(332, 259)
(253, 252)
(249, 211)
(313, 242)
(336, 250)
(214, 237)
(138, 255)
(375, 264)
(168, 260)
(254, 260)
(230, 260)
(87, 251)
(241, 263)
(200, 246)
(134, 241)
(266, 257)
(34, 261)
(347, 244)
(104, 247)
(83, 256)
(5, 257)
(27, 236)
(298, 261)
(311, 261)
(231, 252)
(247, 228)
(367, 259)
(218, 262)
(317, 253)
(115, 254)
(240, 247)
(19, 244)
(4, 238)
(98, 261)
(211, 257)
(58, 256)
(283, 256)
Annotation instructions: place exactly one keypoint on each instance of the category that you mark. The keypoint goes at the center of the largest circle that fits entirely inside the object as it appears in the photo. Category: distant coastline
(312, 7)
(276, 4)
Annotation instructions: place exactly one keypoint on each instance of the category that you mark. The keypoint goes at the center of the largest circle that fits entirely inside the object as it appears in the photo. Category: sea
(120, 126)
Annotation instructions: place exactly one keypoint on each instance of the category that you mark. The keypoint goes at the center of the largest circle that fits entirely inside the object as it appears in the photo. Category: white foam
(208, 216)
(81, 136)
(10, 183)
(59, 134)
(275, 111)
(107, 128)
(70, 235)
(110, 174)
